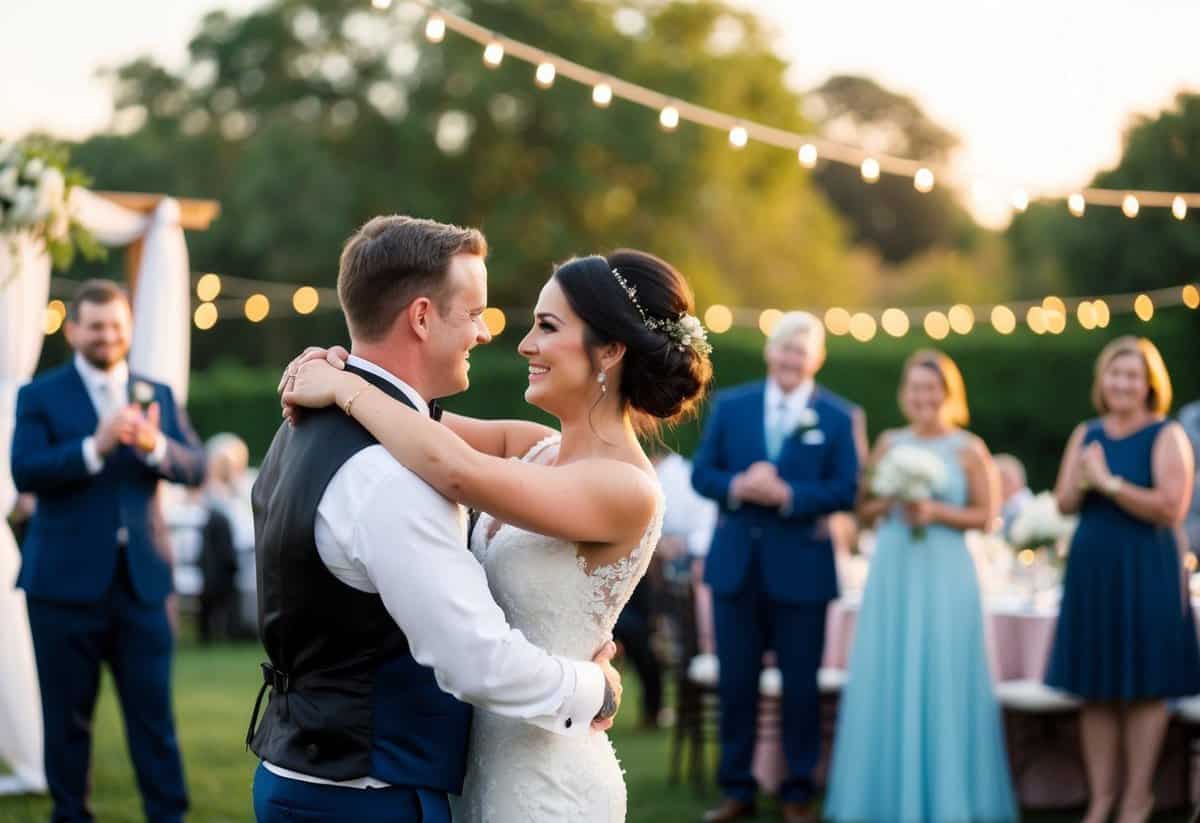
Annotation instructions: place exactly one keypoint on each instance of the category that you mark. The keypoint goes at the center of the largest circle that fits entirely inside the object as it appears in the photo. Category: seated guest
(1189, 419)
(228, 508)
(687, 526)
(1014, 489)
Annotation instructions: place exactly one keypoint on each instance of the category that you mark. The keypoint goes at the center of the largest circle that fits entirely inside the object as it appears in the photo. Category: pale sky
(1040, 91)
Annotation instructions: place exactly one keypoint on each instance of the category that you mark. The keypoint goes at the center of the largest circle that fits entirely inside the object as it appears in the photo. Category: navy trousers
(746, 625)
(283, 800)
(70, 641)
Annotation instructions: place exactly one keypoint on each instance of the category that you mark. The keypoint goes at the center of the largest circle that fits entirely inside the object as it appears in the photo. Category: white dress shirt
(109, 392)
(381, 528)
(687, 515)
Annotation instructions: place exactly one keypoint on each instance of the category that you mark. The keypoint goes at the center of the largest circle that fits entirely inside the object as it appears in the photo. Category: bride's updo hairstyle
(635, 298)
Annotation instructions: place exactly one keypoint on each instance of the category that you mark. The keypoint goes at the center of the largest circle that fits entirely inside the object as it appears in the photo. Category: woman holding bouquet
(919, 735)
(1125, 639)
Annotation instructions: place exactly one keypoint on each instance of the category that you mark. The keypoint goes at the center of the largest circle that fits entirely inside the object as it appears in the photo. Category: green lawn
(214, 693)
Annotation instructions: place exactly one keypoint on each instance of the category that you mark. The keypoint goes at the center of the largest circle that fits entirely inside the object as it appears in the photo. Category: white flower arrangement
(908, 474)
(1040, 524)
(35, 183)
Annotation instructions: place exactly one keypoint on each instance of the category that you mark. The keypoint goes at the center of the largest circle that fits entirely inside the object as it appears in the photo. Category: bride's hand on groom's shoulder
(603, 659)
(335, 356)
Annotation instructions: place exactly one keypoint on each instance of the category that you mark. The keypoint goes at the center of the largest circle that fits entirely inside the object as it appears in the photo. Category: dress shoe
(799, 813)
(730, 810)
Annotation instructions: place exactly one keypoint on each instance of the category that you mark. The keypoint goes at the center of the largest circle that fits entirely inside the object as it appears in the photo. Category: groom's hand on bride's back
(612, 696)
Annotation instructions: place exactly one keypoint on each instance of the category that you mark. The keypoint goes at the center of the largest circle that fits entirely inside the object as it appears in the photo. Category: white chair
(1041, 731)
(1033, 696)
(704, 670)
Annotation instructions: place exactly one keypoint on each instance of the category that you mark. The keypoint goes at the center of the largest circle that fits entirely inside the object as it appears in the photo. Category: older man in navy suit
(92, 441)
(779, 457)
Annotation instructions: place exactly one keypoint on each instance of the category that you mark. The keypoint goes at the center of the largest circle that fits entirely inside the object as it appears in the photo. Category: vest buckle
(274, 678)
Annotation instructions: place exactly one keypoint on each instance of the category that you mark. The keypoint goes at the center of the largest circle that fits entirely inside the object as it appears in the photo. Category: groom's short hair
(393, 260)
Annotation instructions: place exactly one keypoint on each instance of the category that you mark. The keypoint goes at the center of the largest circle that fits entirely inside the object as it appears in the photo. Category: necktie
(106, 394)
(777, 431)
(435, 410)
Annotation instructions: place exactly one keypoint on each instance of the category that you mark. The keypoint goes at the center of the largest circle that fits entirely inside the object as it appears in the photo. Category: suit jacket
(71, 550)
(821, 466)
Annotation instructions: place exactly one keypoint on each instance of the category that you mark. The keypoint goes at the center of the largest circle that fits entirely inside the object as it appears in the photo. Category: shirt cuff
(91, 458)
(583, 703)
(155, 456)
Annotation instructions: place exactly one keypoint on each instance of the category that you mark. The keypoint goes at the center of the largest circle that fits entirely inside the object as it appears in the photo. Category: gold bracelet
(350, 402)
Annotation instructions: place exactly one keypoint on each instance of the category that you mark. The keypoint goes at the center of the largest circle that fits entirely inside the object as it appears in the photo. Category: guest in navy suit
(96, 567)
(779, 457)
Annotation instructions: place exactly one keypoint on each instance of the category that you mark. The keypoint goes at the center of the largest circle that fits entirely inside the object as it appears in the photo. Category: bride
(571, 520)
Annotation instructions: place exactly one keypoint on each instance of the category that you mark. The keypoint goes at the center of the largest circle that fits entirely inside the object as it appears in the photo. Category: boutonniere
(141, 393)
(807, 419)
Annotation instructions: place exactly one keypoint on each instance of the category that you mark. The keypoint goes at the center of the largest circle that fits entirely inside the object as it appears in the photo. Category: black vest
(347, 699)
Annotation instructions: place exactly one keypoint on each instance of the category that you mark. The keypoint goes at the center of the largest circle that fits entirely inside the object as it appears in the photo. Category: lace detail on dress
(520, 773)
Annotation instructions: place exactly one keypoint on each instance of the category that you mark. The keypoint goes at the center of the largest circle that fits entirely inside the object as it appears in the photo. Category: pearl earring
(602, 379)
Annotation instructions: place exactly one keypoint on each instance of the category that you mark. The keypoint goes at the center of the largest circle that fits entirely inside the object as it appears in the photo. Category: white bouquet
(1040, 524)
(909, 474)
(34, 185)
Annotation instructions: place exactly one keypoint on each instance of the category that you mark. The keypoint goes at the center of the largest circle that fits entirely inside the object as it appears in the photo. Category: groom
(375, 616)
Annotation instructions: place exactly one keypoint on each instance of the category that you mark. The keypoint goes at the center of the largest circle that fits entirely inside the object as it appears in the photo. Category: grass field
(214, 692)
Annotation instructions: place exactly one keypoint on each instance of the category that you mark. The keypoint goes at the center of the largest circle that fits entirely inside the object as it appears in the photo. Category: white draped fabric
(161, 350)
(22, 327)
(161, 306)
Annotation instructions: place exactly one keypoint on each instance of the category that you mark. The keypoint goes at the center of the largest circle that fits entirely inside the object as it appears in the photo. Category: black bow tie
(435, 410)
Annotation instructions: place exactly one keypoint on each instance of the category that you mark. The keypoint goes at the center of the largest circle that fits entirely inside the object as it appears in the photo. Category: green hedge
(1026, 391)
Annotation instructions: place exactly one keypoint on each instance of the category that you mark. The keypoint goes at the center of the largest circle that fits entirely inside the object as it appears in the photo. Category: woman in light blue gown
(919, 734)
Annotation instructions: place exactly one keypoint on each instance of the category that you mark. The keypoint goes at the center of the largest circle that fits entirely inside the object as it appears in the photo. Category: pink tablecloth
(1018, 646)
(1018, 641)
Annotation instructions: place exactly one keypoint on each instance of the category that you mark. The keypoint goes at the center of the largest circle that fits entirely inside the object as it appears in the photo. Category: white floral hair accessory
(685, 331)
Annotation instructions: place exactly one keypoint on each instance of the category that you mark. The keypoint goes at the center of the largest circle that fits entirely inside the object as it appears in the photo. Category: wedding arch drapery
(160, 350)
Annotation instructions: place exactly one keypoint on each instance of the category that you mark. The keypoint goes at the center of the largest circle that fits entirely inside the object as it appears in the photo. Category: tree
(890, 215)
(306, 118)
(1104, 251)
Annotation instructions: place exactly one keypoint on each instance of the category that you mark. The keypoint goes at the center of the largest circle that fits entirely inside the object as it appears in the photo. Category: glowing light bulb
(923, 181)
(870, 170)
(1076, 204)
(435, 29)
(808, 155)
(602, 94)
(544, 76)
(738, 137)
(1003, 320)
(668, 118)
(493, 55)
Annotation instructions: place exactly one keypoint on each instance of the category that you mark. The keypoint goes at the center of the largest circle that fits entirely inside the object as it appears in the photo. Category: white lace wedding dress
(517, 772)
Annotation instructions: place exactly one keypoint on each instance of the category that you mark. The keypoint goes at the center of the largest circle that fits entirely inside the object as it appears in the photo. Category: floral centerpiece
(1040, 525)
(909, 474)
(35, 182)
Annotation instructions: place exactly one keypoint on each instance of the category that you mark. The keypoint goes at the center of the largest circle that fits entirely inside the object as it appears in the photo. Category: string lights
(223, 297)
(741, 132)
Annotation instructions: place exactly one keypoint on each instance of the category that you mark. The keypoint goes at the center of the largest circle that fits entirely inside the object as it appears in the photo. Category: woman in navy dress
(1126, 640)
